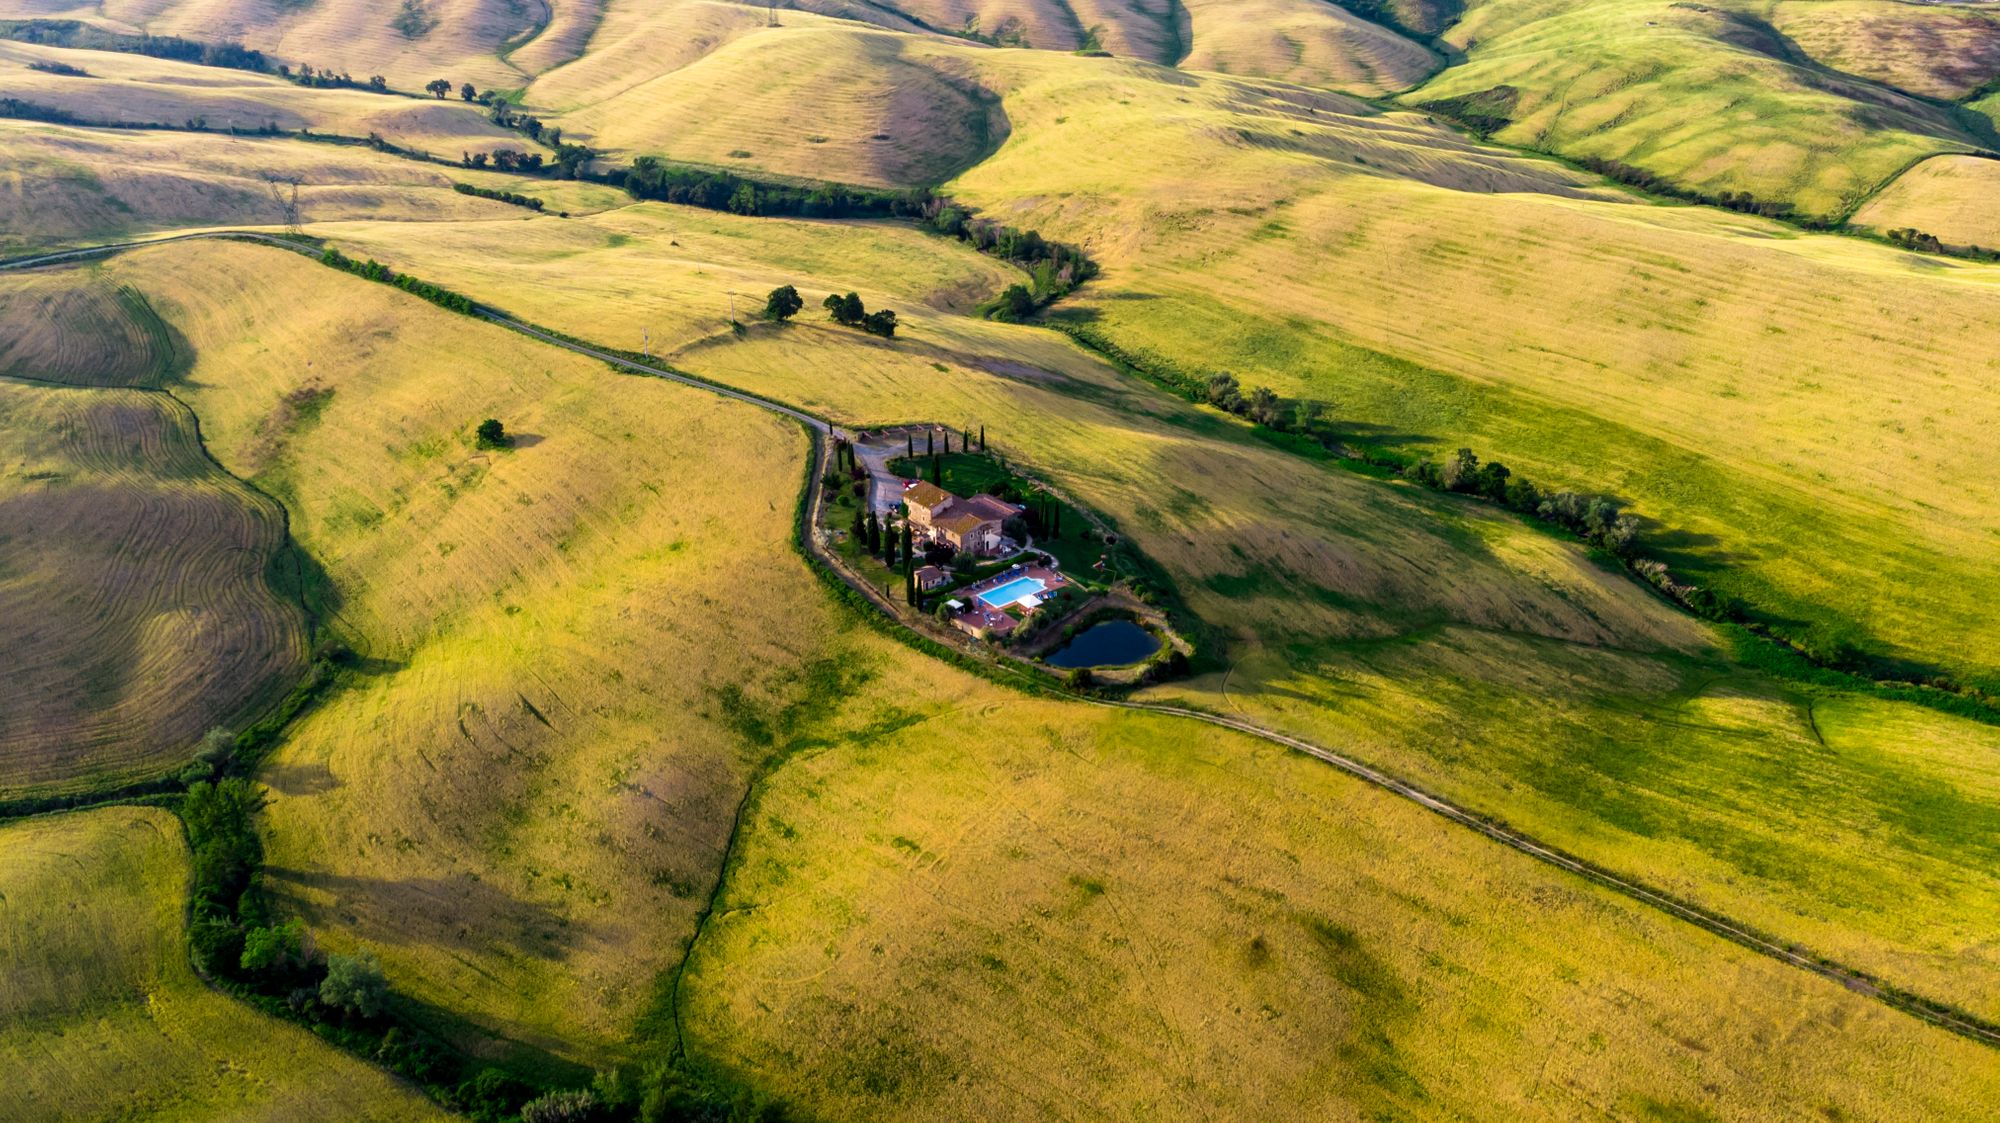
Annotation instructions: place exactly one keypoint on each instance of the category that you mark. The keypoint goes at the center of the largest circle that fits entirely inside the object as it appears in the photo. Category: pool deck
(979, 618)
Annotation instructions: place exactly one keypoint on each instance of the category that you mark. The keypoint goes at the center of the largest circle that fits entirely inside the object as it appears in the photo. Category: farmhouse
(974, 526)
(930, 577)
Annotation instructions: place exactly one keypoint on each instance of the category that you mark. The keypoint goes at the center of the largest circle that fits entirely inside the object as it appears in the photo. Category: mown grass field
(1497, 664)
(1949, 196)
(1138, 918)
(136, 592)
(100, 1015)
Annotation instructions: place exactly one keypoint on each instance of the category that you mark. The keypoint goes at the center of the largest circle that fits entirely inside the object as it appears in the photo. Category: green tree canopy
(783, 303)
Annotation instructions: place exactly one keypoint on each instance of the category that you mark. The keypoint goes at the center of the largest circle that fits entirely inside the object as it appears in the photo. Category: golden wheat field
(100, 1016)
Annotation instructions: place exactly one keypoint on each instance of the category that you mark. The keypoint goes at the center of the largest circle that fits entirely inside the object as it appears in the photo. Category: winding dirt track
(822, 431)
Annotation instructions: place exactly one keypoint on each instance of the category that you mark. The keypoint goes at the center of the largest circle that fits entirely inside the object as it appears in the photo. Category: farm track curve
(822, 430)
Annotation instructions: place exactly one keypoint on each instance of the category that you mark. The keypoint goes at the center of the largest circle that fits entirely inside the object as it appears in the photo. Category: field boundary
(1962, 1023)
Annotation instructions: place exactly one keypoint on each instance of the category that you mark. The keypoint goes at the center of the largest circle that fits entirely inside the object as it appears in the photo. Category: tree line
(527, 201)
(376, 271)
(79, 35)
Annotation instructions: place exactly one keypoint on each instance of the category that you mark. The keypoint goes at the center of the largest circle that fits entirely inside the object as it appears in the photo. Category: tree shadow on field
(461, 912)
(524, 440)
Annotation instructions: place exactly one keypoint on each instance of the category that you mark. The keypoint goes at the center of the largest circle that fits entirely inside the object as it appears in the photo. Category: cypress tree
(860, 529)
(982, 438)
(908, 567)
(909, 445)
(930, 443)
(874, 534)
(947, 442)
(937, 473)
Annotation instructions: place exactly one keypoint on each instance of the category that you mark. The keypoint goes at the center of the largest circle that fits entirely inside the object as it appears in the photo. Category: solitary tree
(354, 984)
(468, 93)
(782, 304)
(492, 434)
(438, 87)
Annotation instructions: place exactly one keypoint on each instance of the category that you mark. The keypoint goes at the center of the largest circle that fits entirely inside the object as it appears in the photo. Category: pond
(1114, 643)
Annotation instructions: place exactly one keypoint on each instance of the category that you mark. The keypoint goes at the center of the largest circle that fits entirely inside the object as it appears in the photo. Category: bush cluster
(62, 68)
(849, 310)
(527, 201)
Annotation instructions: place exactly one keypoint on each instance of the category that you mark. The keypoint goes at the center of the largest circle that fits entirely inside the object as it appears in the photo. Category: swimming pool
(1017, 589)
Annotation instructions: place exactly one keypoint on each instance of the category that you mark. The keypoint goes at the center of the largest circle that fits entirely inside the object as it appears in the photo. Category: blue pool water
(1012, 591)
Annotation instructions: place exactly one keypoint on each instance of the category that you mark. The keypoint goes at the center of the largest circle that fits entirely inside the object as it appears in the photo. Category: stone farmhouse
(971, 526)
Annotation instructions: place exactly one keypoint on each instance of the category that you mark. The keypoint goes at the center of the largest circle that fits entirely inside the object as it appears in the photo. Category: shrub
(354, 984)
(573, 1106)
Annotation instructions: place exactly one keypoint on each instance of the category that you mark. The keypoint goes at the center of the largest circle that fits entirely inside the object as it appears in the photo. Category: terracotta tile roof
(990, 507)
(963, 523)
(923, 493)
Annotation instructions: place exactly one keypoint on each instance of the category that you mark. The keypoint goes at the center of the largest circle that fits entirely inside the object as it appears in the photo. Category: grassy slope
(1455, 646)
(563, 925)
(100, 1015)
(1705, 96)
(1949, 196)
(64, 186)
(126, 88)
(926, 927)
(1804, 413)
(817, 97)
(1304, 41)
(137, 614)
(1937, 51)
(462, 43)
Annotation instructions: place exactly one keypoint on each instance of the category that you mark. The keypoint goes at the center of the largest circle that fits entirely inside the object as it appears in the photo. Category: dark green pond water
(1114, 643)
